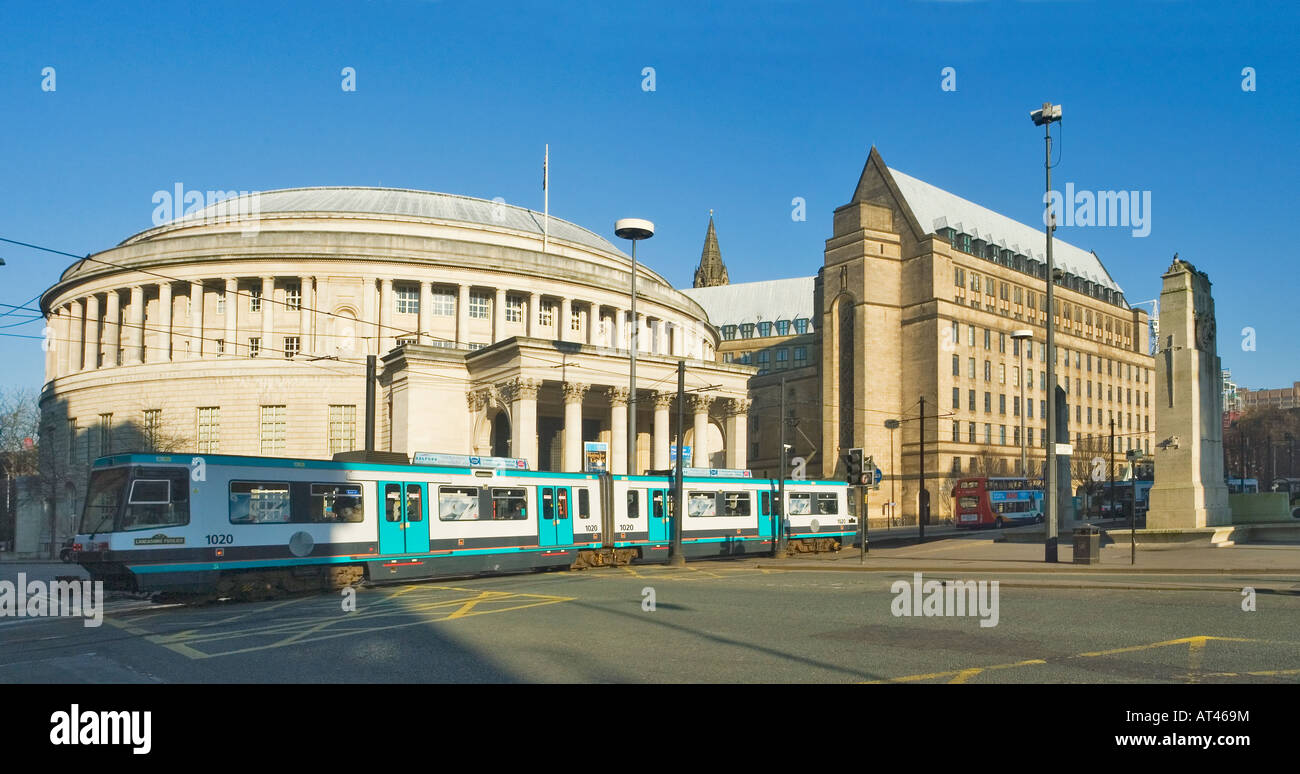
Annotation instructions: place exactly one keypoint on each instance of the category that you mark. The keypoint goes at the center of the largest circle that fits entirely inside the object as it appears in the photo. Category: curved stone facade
(249, 335)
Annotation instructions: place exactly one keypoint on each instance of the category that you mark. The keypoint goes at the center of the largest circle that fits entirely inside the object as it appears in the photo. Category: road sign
(877, 477)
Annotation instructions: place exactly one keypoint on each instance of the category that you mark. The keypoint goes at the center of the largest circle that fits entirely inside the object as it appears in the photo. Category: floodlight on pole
(634, 229)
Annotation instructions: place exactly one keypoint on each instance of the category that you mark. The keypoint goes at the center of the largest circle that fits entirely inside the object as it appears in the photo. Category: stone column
(112, 327)
(165, 321)
(462, 317)
(196, 319)
(534, 309)
(384, 336)
(565, 324)
(268, 313)
(53, 323)
(76, 343)
(426, 312)
(737, 433)
(675, 339)
(305, 315)
(499, 316)
(620, 329)
(135, 352)
(700, 443)
(618, 430)
(593, 323)
(662, 433)
(573, 395)
(91, 357)
(62, 327)
(232, 314)
(523, 418)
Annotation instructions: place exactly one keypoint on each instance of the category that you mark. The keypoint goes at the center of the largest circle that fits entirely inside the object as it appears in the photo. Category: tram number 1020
(220, 540)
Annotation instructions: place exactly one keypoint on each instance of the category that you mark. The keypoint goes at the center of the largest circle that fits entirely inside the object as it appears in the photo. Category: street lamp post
(1045, 117)
(891, 425)
(1023, 337)
(634, 229)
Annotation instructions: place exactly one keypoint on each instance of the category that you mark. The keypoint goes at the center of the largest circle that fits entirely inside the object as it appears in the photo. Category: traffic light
(869, 471)
(853, 467)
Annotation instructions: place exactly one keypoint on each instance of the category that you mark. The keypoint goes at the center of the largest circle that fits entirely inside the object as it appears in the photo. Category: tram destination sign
(468, 461)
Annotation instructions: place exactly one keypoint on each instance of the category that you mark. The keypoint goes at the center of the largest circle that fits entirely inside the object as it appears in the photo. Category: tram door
(766, 514)
(403, 523)
(555, 527)
(661, 511)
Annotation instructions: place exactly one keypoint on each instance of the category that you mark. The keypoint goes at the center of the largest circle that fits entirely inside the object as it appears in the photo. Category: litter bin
(1087, 545)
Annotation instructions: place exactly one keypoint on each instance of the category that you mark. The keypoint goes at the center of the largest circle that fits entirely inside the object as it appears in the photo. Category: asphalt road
(711, 622)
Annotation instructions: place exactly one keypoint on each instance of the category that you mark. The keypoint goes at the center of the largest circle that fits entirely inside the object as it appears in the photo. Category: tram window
(259, 502)
(414, 503)
(510, 504)
(458, 503)
(393, 502)
(633, 504)
(800, 504)
(336, 503)
(158, 502)
(548, 503)
(701, 504)
(853, 505)
(827, 504)
(735, 503)
(584, 503)
(765, 502)
(562, 503)
(657, 498)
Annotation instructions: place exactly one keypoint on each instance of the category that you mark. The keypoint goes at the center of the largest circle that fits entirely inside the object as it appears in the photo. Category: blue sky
(755, 103)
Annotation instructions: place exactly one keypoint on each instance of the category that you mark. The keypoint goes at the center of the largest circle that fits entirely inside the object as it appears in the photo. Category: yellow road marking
(1195, 655)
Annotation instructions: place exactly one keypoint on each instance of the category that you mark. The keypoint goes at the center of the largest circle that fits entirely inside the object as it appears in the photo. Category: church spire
(711, 271)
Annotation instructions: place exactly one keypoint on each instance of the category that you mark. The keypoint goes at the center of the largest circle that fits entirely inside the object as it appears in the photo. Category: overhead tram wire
(191, 283)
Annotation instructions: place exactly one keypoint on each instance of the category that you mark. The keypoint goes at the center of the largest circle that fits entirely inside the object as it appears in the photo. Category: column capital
(700, 403)
(520, 388)
(477, 400)
(574, 392)
(618, 396)
(664, 400)
(738, 406)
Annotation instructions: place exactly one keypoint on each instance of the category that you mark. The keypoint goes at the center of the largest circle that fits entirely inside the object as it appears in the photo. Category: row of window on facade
(1084, 442)
(763, 358)
(765, 329)
(1029, 404)
(406, 300)
(1013, 260)
(341, 432)
(1081, 315)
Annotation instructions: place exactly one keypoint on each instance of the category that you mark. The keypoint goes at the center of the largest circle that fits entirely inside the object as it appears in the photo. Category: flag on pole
(546, 200)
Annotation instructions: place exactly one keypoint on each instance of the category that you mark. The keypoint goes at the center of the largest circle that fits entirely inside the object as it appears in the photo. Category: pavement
(1267, 568)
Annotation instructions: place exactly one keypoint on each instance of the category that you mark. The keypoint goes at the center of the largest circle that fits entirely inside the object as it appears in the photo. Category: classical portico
(553, 396)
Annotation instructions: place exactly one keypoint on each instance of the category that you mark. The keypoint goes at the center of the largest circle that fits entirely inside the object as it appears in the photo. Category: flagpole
(546, 200)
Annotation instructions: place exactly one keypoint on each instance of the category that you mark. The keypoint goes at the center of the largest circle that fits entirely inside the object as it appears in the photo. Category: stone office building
(918, 295)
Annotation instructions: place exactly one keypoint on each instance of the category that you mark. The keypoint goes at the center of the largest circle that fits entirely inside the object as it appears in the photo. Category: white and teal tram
(252, 526)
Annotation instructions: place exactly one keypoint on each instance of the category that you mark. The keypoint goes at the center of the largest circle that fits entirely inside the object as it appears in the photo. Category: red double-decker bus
(996, 502)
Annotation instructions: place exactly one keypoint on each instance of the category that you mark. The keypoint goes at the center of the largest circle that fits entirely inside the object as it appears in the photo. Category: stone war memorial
(1189, 490)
